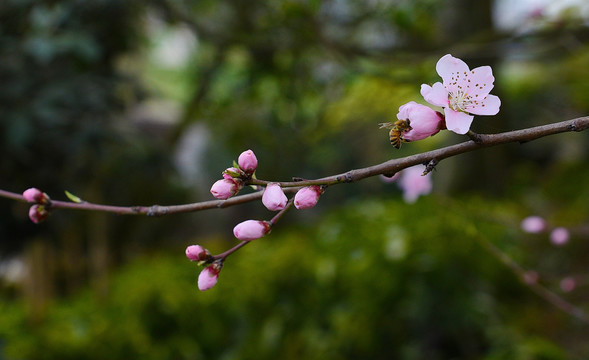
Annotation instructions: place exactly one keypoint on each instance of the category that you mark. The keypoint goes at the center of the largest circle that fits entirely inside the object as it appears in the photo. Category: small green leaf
(73, 197)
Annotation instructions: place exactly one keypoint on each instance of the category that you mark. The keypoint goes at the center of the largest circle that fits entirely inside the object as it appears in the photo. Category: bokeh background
(130, 102)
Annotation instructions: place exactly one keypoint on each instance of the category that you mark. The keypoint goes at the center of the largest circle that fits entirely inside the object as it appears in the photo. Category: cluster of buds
(39, 211)
(234, 178)
(273, 198)
(212, 267)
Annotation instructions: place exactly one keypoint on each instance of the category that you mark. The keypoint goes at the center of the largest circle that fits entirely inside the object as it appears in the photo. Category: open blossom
(423, 121)
(197, 253)
(251, 229)
(274, 198)
(533, 224)
(208, 276)
(463, 92)
(248, 162)
(307, 197)
(225, 188)
(414, 184)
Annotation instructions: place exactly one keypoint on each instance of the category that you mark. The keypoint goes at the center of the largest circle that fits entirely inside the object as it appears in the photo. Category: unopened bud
(533, 224)
(251, 230)
(225, 188)
(197, 253)
(34, 195)
(274, 198)
(307, 197)
(559, 236)
(38, 213)
(568, 284)
(423, 120)
(248, 162)
(208, 276)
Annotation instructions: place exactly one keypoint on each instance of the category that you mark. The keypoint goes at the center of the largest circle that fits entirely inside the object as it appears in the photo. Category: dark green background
(304, 84)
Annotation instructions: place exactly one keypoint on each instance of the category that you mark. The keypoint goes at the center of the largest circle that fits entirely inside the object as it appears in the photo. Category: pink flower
(533, 224)
(274, 198)
(208, 276)
(34, 195)
(414, 184)
(530, 277)
(38, 213)
(307, 197)
(462, 93)
(559, 236)
(197, 253)
(251, 230)
(424, 122)
(225, 188)
(568, 284)
(248, 162)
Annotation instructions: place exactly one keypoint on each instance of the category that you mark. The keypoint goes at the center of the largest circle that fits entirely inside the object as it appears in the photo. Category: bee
(398, 128)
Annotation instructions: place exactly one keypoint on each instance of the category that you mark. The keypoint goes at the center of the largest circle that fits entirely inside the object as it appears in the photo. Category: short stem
(281, 212)
(223, 255)
(474, 137)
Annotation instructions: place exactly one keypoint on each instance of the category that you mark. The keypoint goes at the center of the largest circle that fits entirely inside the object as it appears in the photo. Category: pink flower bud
(414, 184)
(197, 253)
(307, 197)
(274, 198)
(424, 121)
(34, 195)
(208, 276)
(38, 213)
(568, 284)
(533, 224)
(226, 188)
(248, 162)
(232, 172)
(559, 236)
(251, 229)
(530, 277)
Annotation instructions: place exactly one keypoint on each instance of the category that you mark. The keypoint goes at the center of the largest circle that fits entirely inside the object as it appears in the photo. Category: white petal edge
(457, 121)
(448, 64)
(436, 95)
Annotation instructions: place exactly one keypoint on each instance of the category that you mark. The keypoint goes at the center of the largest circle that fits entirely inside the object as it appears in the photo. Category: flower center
(459, 100)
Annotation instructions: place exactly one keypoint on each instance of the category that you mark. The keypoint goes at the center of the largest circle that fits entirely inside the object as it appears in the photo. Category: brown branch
(388, 167)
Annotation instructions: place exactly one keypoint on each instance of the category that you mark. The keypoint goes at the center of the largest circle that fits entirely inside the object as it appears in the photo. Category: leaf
(73, 197)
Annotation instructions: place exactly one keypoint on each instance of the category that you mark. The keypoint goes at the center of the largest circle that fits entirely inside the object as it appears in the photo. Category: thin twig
(539, 289)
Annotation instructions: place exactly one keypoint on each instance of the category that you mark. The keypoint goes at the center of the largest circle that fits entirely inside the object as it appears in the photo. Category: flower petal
(436, 95)
(489, 106)
(480, 81)
(448, 65)
(457, 121)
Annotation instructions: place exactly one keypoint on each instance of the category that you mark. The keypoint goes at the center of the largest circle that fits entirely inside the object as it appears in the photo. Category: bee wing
(387, 125)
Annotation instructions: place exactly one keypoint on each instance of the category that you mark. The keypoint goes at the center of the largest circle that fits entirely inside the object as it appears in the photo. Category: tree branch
(386, 168)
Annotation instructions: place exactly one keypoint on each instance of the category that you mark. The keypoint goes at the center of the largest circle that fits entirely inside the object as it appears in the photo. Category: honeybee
(398, 128)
